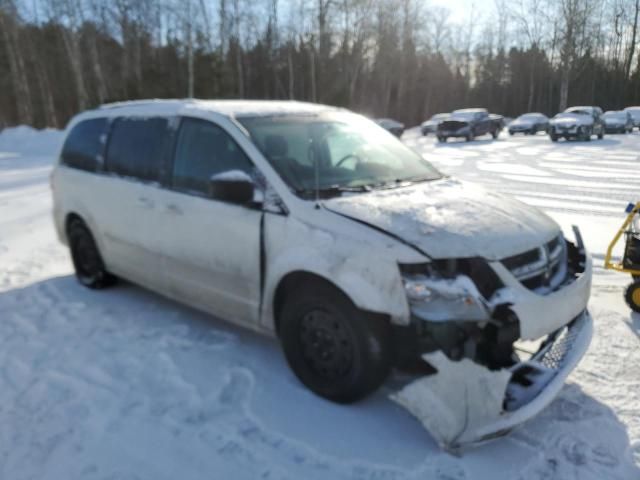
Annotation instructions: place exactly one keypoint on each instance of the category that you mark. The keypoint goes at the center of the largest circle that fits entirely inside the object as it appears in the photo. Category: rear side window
(84, 147)
(137, 147)
(204, 150)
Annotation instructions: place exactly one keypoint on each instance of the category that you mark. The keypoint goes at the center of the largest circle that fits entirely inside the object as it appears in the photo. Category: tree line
(404, 59)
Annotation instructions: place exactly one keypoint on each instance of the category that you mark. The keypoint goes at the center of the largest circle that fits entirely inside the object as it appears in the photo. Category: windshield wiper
(333, 190)
(403, 181)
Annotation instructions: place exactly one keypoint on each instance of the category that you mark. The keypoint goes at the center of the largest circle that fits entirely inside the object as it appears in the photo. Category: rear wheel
(494, 134)
(469, 137)
(553, 137)
(336, 350)
(632, 296)
(601, 134)
(442, 139)
(87, 261)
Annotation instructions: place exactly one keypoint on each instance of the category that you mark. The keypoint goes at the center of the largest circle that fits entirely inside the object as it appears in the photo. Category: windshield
(346, 151)
(616, 115)
(529, 116)
(464, 115)
(440, 116)
(579, 112)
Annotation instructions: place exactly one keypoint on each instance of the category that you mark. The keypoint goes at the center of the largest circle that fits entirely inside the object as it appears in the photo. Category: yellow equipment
(631, 258)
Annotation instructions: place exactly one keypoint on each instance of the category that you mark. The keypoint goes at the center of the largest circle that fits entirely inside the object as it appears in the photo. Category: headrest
(275, 146)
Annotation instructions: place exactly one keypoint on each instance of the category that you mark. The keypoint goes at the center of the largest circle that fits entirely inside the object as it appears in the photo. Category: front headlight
(440, 299)
(417, 291)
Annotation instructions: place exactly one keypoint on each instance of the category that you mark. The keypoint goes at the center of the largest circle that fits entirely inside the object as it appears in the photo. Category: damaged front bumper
(467, 403)
(499, 337)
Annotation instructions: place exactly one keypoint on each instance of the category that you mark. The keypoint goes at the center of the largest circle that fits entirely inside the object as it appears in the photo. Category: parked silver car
(579, 123)
(635, 115)
(529, 124)
(617, 121)
(431, 125)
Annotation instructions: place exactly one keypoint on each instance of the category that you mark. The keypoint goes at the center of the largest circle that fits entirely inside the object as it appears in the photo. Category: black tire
(494, 134)
(601, 134)
(469, 137)
(632, 296)
(442, 139)
(553, 137)
(87, 261)
(334, 349)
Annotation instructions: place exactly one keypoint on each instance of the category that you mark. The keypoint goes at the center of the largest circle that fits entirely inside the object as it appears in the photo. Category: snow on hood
(614, 120)
(572, 119)
(449, 218)
(522, 121)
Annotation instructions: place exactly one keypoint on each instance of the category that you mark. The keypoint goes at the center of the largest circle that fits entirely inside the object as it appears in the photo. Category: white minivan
(315, 225)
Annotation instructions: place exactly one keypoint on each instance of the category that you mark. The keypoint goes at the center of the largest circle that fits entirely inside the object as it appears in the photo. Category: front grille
(521, 259)
(540, 267)
(452, 125)
(556, 350)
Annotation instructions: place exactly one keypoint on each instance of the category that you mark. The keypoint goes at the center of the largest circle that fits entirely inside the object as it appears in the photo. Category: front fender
(369, 277)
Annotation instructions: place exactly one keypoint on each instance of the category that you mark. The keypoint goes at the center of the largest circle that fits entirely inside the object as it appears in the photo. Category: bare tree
(576, 21)
(9, 28)
(531, 17)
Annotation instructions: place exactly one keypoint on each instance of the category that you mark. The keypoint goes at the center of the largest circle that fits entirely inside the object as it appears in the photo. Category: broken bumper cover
(466, 403)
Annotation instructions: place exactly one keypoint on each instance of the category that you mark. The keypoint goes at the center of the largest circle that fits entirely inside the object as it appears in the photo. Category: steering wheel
(347, 157)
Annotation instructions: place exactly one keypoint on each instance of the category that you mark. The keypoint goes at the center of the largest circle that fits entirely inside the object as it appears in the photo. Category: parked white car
(315, 225)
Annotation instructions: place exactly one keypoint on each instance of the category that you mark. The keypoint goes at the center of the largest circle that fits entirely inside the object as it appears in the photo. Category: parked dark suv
(469, 123)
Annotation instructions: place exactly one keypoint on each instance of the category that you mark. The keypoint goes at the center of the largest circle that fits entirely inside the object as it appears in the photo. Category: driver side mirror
(234, 186)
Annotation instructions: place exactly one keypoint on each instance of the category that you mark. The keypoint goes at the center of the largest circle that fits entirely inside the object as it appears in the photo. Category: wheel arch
(295, 280)
(70, 217)
(303, 278)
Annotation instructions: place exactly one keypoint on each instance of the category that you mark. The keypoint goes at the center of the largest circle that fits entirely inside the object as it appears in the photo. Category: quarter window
(204, 150)
(137, 147)
(84, 146)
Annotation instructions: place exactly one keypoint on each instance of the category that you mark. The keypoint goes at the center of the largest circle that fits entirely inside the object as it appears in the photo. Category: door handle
(172, 208)
(145, 202)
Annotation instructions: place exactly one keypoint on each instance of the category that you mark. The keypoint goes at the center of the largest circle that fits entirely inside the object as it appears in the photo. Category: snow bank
(24, 139)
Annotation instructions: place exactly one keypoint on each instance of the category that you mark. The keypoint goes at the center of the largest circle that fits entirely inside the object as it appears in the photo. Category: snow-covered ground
(123, 384)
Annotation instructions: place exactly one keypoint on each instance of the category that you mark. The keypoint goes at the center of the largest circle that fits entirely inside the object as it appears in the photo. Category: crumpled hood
(448, 218)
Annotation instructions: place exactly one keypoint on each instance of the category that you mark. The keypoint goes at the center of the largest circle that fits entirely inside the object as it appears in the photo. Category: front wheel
(553, 137)
(334, 349)
(442, 139)
(632, 296)
(494, 134)
(601, 134)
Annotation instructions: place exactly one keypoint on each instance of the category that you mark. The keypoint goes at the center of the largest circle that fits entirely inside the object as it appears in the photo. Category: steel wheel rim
(327, 346)
(86, 257)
